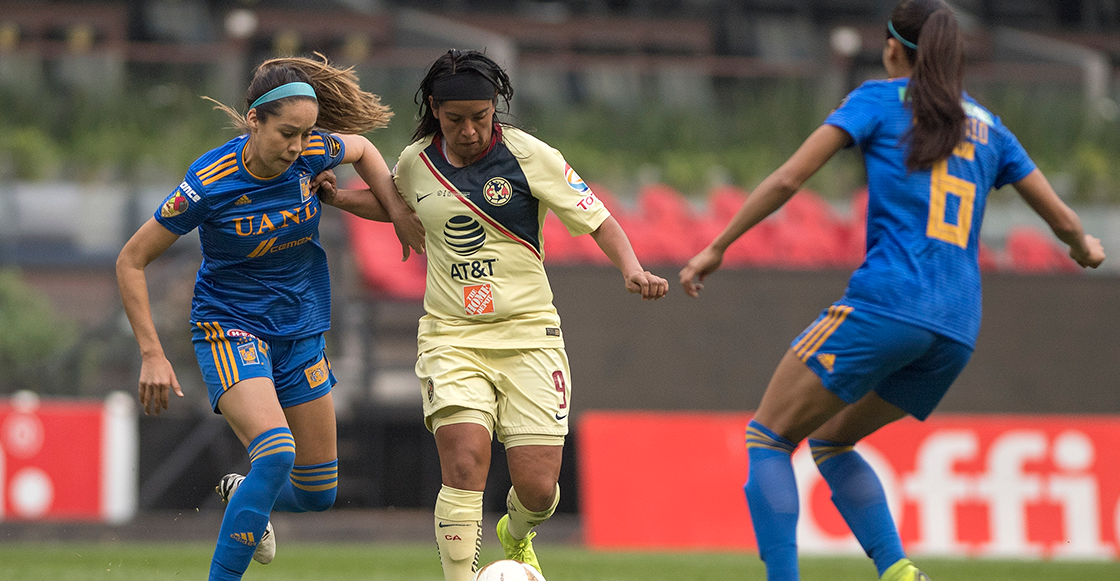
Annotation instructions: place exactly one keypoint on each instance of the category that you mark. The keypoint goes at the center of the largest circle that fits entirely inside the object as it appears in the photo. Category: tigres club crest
(175, 205)
(304, 188)
(497, 191)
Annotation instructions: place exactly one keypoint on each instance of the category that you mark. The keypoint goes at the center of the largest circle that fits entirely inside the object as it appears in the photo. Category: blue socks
(858, 495)
(272, 455)
(310, 488)
(772, 497)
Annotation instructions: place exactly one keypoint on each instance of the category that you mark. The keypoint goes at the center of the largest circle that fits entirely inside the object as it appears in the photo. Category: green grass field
(418, 562)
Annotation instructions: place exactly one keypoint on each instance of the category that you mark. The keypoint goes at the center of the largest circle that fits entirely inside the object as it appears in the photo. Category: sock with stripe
(458, 527)
(858, 495)
(271, 455)
(771, 491)
(522, 521)
(311, 488)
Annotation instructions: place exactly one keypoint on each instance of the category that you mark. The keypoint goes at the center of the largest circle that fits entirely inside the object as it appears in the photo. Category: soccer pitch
(418, 562)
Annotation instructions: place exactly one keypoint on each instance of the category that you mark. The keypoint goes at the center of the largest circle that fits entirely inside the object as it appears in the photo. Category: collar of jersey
(253, 177)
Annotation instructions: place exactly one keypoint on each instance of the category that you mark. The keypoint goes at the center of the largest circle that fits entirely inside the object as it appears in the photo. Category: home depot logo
(478, 299)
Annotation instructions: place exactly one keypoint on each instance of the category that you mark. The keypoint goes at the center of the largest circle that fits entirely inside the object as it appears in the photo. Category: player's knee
(538, 494)
(320, 500)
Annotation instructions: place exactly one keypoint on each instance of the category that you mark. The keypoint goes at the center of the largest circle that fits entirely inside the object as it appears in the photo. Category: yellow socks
(458, 525)
(521, 520)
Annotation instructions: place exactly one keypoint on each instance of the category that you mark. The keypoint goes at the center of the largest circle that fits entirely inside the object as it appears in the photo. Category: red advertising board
(1040, 486)
(67, 460)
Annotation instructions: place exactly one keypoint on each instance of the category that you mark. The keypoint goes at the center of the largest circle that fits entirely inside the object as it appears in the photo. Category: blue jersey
(263, 268)
(923, 226)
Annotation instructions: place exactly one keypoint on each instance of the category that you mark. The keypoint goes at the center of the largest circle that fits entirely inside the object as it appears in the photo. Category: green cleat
(904, 570)
(518, 550)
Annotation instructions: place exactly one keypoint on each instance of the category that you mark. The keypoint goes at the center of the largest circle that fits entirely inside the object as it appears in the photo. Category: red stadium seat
(378, 254)
(673, 235)
(810, 234)
(1030, 251)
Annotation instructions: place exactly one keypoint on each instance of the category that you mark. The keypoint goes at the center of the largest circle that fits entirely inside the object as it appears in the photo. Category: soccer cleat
(518, 550)
(266, 547)
(904, 570)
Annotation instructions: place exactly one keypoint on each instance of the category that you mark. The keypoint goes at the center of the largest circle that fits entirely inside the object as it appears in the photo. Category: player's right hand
(1091, 256)
(326, 186)
(157, 378)
(697, 269)
(410, 231)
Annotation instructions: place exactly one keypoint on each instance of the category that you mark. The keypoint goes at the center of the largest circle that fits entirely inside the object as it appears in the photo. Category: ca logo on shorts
(431, 390)
(498, 191)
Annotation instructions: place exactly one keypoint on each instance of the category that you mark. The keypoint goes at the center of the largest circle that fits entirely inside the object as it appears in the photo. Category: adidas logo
(827, 360)
(244, 538)
(242, 201)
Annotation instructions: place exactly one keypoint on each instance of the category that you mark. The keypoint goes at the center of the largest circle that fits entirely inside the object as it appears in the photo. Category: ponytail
(343, 106)
(935, 79)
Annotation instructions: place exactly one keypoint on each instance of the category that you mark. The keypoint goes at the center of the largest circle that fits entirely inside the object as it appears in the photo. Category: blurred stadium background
(672, 110)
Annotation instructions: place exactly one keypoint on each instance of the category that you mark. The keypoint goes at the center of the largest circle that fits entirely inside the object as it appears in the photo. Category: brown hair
(935, 78)
(449, 63)
(343, 106)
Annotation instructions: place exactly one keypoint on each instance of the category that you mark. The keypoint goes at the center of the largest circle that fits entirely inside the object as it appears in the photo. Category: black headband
(465, 86)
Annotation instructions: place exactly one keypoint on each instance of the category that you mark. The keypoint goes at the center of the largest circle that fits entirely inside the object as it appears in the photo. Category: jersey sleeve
(1014, 163)
(325, 151)
(559, 187)
(857, 114)
(185, 208)
(402, 174)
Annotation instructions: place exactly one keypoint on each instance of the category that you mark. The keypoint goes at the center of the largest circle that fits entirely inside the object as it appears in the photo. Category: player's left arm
(613, 241)
(371, 167)
(1036, 191)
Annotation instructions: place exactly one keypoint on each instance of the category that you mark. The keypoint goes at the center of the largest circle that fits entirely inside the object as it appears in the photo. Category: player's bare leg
(532, 499)
(464, 458)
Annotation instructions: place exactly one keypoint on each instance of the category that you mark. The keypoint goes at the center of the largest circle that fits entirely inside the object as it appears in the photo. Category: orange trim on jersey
(225, 173)
(217, 169)
(466, 201)
(211, 167)
(310, 151)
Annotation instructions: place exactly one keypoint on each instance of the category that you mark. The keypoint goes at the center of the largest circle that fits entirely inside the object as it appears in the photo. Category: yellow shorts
(526, 392)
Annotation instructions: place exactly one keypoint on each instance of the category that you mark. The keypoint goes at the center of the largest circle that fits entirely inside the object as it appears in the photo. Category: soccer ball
(508, 570)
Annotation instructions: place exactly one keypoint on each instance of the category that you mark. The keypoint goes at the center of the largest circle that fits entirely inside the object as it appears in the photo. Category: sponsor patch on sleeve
(333, 145)
(175, 204)
(574, 180)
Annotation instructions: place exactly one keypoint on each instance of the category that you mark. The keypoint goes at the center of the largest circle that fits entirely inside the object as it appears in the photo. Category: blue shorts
(299, 368)
(854, 352)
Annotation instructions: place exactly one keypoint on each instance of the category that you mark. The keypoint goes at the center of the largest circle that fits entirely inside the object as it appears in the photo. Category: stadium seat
(378, 255)
(1031, 251)
(673, 235)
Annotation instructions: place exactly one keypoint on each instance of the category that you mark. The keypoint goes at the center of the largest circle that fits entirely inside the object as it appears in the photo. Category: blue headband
(296, 89)
(898, 37)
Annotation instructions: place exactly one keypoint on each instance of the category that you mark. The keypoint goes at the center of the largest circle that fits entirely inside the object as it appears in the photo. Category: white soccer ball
(508, 570)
